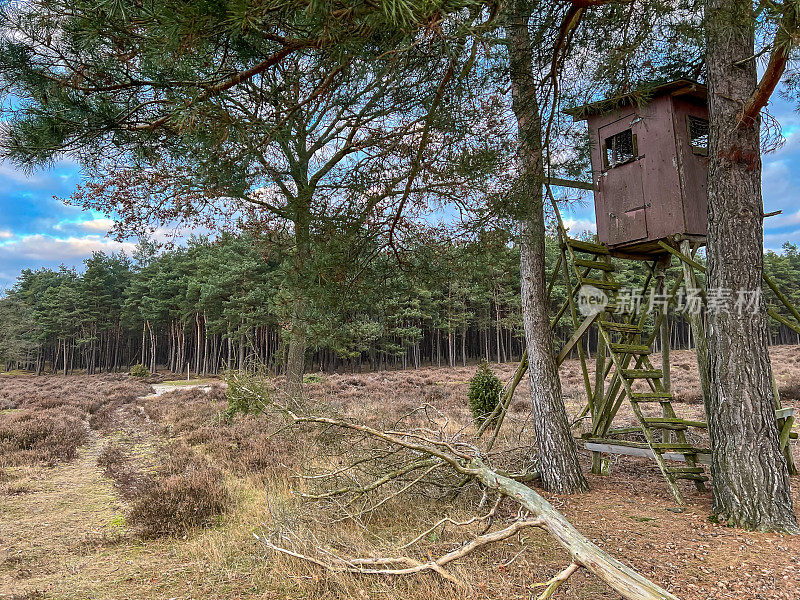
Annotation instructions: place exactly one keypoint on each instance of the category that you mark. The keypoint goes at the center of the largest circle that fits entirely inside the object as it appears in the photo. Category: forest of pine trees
(221, 304)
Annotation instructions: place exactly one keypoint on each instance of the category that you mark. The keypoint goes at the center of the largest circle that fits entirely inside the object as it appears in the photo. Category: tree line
(220, 303)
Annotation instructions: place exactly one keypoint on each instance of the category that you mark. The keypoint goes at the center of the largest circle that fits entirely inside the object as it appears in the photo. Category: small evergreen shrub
(139, 370)
(247, 392)
(484, 393)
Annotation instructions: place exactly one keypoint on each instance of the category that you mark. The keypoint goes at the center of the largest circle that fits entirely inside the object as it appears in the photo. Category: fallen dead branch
(430, 453)
(371, 566)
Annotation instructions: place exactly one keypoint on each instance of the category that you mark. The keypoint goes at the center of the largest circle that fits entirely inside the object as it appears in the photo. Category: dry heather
(175, 462)
(43, 419)
(243, 444)
(184, 492)
(30, 436)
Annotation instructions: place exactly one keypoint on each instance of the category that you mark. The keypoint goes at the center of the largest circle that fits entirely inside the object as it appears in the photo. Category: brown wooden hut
(649, 164)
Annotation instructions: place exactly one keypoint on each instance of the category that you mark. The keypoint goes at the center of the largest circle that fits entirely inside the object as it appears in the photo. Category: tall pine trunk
(298, 335)
(558, 456)
(749, 474)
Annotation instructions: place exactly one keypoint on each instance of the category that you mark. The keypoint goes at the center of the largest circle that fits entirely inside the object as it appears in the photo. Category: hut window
(619, 149)
(698, 135)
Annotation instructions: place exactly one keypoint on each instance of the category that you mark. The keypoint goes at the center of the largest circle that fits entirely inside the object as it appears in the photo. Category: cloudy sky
(38, 230)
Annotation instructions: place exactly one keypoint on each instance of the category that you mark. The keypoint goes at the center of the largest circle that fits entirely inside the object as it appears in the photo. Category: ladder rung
(651, 396)
(587, 246)
(670, 426)
(641, 374)
(630, 348)
(594, 264)
(624, 327)
(674, 470)
(693, 476)
(667, 420)
(601, 285)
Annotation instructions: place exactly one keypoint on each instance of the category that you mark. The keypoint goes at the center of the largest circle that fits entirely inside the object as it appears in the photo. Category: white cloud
(5, 234)
(46, 248)
(98, 225)
(774, 241)
(63, 170)
(783, 220)
(576, 226)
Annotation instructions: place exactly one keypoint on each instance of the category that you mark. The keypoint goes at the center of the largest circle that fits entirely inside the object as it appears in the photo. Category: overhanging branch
(782, 45)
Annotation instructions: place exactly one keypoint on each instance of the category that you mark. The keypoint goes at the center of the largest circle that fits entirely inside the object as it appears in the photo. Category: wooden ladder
(623, 341)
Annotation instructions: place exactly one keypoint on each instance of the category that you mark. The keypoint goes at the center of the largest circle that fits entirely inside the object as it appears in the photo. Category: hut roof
(640, 97)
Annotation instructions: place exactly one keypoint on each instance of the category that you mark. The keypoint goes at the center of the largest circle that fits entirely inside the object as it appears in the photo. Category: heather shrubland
(171, 487)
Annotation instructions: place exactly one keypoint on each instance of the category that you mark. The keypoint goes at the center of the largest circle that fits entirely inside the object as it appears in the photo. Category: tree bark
(558, 456)
(749, 474)
(298, 335)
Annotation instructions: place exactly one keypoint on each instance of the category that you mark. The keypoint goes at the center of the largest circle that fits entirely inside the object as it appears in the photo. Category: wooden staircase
(664, 432)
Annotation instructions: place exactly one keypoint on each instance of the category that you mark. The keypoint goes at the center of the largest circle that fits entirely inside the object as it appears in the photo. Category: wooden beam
(576, 337)
(702, 458)
(783, 320)
(569, 183)
(689, 261)
(782, 297)
(786, 432)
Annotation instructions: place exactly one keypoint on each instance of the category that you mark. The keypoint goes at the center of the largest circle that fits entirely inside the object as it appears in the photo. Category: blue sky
(38, 230)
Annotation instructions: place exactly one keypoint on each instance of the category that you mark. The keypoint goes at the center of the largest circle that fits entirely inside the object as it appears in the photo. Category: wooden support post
(554, 277)
(698, 329)
(661, 269)
(784, 429)
(575, 338)
(572, 309)
(599, 465)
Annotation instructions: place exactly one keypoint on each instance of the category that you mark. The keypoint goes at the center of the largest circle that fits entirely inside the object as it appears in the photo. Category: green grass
(180, 382)
(117, 521)
(15, 373)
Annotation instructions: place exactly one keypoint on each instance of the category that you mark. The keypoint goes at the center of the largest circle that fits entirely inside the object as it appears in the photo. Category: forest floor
(67, 530)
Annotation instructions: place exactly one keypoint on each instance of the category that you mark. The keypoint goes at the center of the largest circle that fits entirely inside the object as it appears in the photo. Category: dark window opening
(619, 149)
(698, 135)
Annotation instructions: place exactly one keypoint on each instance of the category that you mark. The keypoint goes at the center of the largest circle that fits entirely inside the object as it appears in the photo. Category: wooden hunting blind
(649, 163)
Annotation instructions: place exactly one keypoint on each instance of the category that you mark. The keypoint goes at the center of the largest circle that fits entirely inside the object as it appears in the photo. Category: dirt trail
(66, 538)
(43, 531)
(163, 388)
